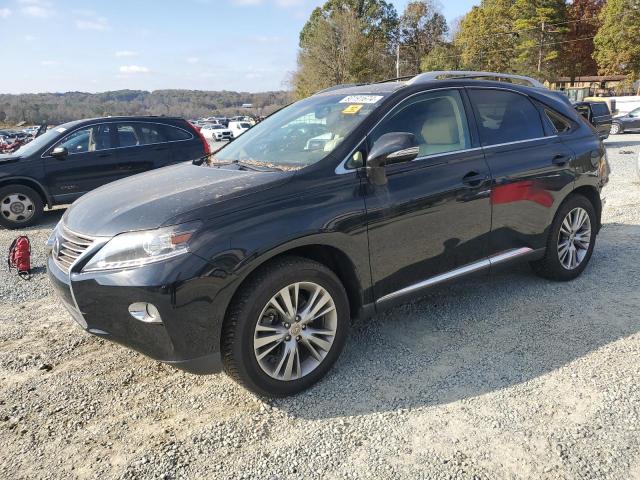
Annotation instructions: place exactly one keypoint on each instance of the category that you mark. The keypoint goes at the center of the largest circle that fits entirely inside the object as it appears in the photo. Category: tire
(616, 128)
(20, 206)
(551, 266)
(251, 321)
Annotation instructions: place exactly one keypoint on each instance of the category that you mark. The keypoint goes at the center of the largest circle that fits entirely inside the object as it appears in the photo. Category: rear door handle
(104, 155)
(473, 179)
(561, 159)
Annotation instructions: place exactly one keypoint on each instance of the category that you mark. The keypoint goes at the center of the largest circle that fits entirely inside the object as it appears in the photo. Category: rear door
(142, 146)
(185, 143)
(91, 162)
(531, 168)
(601, 118)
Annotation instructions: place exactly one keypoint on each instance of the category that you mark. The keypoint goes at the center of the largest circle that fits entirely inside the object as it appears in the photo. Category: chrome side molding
(458, 272)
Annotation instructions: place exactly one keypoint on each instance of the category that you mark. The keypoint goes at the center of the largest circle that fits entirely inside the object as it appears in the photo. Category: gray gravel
(510, 377)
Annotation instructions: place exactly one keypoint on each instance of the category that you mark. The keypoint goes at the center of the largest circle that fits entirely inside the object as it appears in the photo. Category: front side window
(505, 117)
(437, 119)
(89, 139)
(302, 133)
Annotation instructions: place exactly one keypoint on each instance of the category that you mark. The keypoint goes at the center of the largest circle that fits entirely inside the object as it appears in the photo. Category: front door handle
(473, 179)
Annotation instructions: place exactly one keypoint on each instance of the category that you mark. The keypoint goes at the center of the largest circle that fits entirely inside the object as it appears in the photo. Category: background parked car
(598, 114)
(216, 132)
(72, 159)
(238, 128)
(626, 123)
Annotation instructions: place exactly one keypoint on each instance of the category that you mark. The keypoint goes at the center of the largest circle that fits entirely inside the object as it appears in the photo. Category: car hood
(151, 200)
(8, 157)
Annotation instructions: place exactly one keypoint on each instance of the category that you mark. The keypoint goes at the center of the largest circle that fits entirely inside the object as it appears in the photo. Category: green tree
(445, 56)
(422, 28)
(541, 27)
(345, 41)
(617, 49)
(485, 37)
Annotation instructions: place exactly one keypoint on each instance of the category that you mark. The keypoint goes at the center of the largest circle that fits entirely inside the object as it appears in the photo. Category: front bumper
(189, 335)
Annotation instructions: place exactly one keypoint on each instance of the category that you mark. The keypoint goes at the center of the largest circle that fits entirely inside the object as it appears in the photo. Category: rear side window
(135, 134)
(560, 124)
(175, 134)
(505, 117)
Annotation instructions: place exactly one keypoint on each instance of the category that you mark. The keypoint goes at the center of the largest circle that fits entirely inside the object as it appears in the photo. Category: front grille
(69, 246)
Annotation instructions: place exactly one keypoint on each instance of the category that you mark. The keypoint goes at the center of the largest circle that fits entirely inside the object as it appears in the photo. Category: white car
(216, 132)
(238, 128)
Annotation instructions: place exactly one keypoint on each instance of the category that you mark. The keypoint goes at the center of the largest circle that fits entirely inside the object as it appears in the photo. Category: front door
(434, 214)
(90, 163)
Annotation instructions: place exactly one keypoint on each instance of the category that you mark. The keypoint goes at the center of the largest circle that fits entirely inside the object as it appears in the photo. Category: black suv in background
(629, 122)
(76, 157)
(337, 206)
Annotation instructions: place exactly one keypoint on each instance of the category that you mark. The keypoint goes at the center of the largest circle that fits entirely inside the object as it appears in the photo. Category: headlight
(135, 249)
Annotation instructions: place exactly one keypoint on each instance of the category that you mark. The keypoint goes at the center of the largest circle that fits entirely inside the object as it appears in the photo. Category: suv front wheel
(286, 327)
(20, 206)
(571, 240)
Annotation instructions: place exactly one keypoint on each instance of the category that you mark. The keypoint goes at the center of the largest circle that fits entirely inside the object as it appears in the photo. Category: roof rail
(500, 77)
(336, 87)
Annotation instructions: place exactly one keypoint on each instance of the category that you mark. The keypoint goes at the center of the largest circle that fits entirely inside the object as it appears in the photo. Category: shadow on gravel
(481, 335)
(48, 221)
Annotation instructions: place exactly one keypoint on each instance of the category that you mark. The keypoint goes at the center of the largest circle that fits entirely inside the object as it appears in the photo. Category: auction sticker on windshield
(362, 99)
(352, 109)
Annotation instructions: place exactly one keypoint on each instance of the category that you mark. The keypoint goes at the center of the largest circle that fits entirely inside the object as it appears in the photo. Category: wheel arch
(31, 183)
(593, 195)
(332, 257)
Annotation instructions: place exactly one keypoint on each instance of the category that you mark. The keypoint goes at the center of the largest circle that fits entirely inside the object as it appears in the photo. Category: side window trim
(47, 152)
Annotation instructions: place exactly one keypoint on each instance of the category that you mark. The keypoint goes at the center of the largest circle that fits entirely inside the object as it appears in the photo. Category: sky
(94, 46)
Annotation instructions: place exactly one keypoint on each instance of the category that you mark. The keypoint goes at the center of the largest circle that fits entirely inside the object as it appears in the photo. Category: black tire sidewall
(243, 351)
(35, 198)
(575, 201)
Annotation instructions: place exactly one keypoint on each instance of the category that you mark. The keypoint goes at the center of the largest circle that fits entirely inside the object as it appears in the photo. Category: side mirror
(60, 153)
(390, 148)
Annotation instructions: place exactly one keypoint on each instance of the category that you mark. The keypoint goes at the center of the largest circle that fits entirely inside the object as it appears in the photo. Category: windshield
(42, 141)
(301, 134)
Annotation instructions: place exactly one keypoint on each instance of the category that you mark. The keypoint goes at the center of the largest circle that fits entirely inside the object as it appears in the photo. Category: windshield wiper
(256, 166)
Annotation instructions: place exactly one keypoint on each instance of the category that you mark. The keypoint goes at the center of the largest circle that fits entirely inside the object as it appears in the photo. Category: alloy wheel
(295, 331)
(574, 239)
(17, 207)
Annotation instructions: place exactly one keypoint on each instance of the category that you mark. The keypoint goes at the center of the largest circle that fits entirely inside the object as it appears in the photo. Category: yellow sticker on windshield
(352, 109)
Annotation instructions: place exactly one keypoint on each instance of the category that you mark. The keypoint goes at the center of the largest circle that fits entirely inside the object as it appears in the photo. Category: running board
(458, 272)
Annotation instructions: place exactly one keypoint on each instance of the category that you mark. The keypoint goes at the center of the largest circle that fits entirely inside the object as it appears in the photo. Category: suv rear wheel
(286, 327)
(20, 206)
(571, 240)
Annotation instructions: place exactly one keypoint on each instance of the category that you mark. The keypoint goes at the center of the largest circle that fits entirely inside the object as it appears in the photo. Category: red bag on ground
(20, 256)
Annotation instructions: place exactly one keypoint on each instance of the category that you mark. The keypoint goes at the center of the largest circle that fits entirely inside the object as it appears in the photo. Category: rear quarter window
(175, 134)
(560, 123)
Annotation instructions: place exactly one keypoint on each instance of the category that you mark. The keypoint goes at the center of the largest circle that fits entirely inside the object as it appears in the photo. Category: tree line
(354, 41)
(56, 108)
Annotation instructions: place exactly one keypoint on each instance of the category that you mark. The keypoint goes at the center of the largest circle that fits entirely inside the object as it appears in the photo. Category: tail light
(205, 144)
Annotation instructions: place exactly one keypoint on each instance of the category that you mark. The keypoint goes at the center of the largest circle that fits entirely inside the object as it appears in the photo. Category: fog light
(145, 312)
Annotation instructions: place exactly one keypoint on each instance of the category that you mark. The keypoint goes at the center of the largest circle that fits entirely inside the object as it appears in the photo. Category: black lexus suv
(336, 207)
(76, 157)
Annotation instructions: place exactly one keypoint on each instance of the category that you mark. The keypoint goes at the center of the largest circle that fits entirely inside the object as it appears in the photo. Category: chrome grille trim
(70, 246)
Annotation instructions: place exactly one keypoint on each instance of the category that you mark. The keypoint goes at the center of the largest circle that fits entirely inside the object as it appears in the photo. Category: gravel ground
(510, 377)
